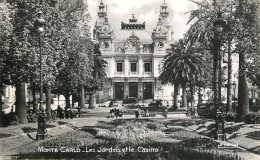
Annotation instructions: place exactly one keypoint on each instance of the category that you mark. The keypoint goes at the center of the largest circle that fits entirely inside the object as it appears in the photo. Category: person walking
(137, 114)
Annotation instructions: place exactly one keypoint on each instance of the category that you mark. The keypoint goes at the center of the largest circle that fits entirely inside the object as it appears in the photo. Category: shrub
(29, 129)
(5, 135)
(62, 123)
(230, 116)
(174, 129)
(232, 129)
(255, 135)
(130, 100)
(154, 125)
(32, 118)
(199, 142)
(252, 118)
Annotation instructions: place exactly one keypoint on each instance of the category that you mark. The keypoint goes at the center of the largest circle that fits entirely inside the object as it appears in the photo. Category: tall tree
(6, 30)
(181, 66)
(247, 35)
(241, 31)
(98, 75)
(21, 50)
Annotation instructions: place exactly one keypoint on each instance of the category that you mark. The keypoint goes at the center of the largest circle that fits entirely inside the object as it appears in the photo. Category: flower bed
(180, 135)
(73, 138)
(131, 132)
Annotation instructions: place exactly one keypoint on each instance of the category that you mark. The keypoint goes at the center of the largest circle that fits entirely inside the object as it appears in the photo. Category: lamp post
(40, 28)
(219, 25)
(41, 118)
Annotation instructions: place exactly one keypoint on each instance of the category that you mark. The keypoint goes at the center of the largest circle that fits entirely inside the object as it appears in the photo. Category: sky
(145, 11)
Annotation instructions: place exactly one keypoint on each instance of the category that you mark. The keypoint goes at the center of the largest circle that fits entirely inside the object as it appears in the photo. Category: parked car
(156, 102)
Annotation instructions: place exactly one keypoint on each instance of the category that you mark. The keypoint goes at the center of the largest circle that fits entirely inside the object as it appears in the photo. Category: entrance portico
(140, 88)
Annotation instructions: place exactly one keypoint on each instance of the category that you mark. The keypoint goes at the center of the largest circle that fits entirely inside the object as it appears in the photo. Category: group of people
(61, 114)
(115, 113)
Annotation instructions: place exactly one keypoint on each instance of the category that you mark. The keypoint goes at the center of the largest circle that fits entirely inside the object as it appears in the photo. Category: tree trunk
(191, 95)
(67, 99)
(35, 107)
(21, 103)
(48, 103)
(243, 99)
(1, 89)
(82, 96)
(91, 100)
(184, 97)
(175, 96)
(199, 95)
(1, 107)
(229, 101)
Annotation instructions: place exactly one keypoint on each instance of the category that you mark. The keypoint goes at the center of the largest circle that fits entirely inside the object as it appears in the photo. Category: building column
(140, 89)
(126, 67)
(140, 66)
(126, 89)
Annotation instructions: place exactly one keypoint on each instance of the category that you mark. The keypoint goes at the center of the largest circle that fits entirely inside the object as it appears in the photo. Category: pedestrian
(59, 112)
(136, 113)
(117, 113)
(165, 112)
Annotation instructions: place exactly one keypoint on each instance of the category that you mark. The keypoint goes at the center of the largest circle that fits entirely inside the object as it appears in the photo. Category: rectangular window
(147, 67)
(119, 67)
(133, 67)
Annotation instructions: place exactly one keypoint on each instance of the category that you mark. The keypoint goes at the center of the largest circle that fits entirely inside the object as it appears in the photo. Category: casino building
(134, 56)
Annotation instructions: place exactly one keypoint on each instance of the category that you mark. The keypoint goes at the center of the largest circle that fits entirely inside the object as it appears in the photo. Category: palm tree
(181, 66)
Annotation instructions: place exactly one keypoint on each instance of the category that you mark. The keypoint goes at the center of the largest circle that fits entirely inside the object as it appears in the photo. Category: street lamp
(219, 25)
(40, 22)
(40, 28)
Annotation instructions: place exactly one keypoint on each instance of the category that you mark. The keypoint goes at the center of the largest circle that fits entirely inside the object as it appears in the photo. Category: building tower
(162, 34)
(103, 32)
